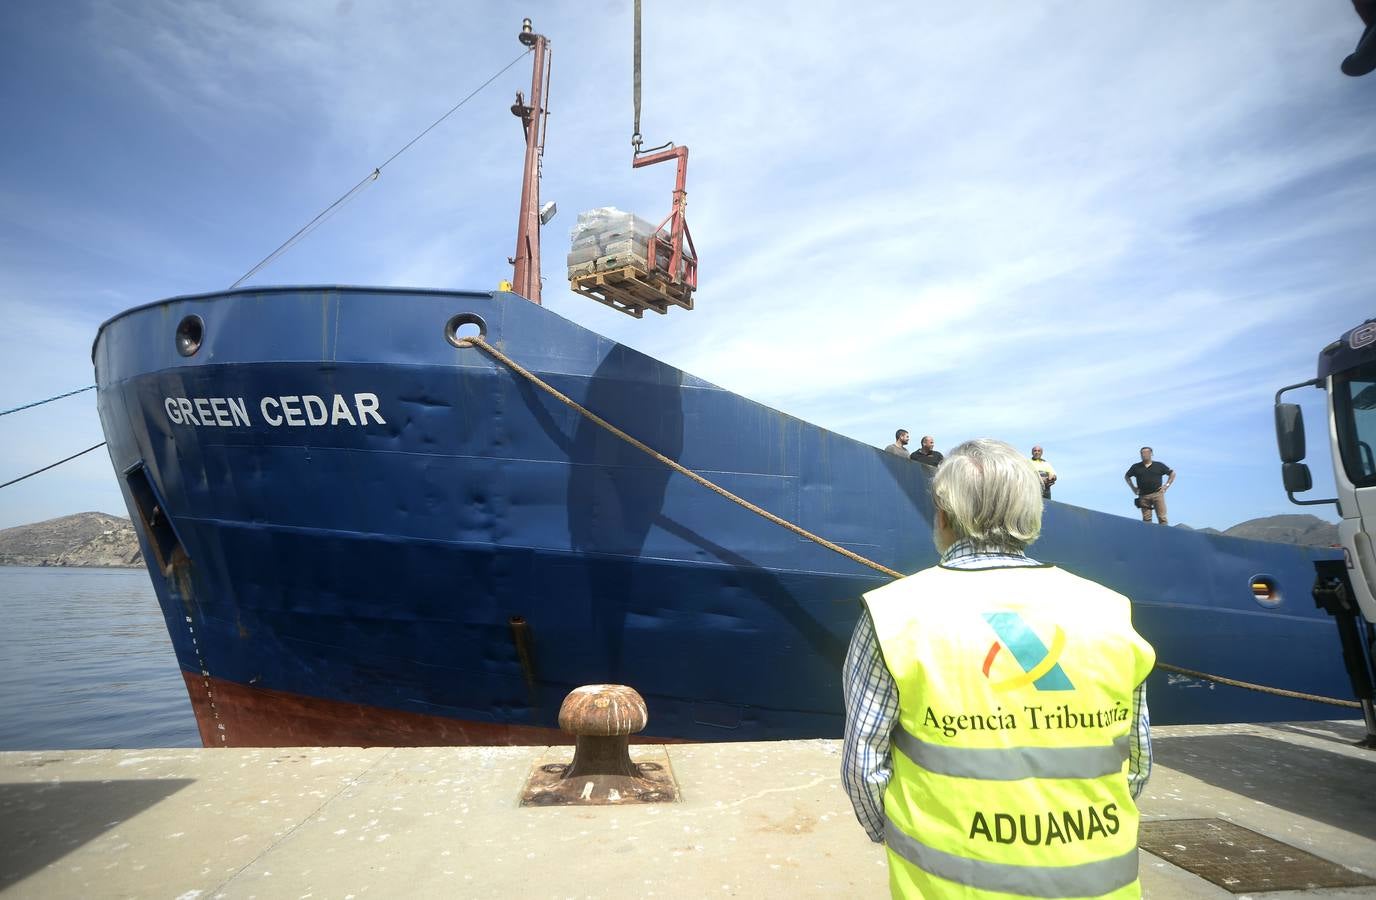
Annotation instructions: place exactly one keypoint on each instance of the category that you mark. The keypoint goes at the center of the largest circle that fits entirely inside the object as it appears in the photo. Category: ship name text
(293, 410)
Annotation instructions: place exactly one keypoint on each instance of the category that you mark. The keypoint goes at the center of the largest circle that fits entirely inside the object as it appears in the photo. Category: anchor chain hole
(189, 333)
(1265, 591)
(463, 326)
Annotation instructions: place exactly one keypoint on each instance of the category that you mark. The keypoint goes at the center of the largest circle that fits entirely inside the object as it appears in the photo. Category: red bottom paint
(236, 715)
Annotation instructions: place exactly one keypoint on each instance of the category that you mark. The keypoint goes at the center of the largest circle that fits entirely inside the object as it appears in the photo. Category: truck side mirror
(1290, 436)
(1296, 477)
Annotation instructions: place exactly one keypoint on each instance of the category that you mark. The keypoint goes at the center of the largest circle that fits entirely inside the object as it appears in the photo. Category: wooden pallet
(631, 291)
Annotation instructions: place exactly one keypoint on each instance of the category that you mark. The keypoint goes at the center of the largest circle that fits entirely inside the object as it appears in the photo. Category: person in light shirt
(996, 732)
(899, 447)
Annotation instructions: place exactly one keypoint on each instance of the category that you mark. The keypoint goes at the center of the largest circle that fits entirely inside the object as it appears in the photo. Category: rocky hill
(83, 539)
(1310, 531)
(1306, 530)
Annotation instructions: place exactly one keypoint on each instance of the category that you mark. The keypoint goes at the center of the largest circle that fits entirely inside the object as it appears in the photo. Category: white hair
(991, 495)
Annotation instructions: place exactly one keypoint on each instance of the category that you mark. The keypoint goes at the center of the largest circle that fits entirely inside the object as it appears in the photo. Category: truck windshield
(1354, 404)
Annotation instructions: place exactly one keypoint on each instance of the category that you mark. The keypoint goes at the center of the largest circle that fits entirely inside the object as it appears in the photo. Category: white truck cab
(1346, 589)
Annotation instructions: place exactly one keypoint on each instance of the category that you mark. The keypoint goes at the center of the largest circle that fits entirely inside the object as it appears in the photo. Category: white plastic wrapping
(607, 239)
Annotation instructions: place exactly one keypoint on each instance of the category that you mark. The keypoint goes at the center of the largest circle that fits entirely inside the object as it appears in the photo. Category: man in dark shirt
(1151, 493)
(926, 455)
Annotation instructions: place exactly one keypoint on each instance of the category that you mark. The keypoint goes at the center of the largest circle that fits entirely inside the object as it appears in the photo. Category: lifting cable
(636, 139)
(803, 532)
(368, 179)
(635, 82)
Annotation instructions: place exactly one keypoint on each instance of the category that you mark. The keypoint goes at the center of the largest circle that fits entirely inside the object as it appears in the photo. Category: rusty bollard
(601, 718)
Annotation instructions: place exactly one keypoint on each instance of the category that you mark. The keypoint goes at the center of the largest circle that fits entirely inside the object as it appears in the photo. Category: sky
(1089, 226)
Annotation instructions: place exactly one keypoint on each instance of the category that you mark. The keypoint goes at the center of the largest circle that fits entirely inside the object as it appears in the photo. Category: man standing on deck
(899, 447)
(1045, 471)
(926, 454)
(996, 719)
(1151, 493)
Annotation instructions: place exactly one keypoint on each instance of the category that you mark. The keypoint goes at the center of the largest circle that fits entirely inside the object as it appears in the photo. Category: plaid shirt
(872, 707)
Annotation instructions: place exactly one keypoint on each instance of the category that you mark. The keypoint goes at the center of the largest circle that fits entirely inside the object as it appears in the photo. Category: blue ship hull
(346, 570)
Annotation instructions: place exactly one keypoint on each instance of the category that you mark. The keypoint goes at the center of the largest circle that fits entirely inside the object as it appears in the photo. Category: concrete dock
(758, 820)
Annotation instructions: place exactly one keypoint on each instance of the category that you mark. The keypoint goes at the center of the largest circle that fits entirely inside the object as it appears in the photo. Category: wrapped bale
(608, 239)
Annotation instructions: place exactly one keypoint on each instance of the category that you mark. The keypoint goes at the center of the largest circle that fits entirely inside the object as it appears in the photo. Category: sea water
(85, 662)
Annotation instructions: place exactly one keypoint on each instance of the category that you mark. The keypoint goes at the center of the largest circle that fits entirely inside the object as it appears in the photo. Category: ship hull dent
(360, 509)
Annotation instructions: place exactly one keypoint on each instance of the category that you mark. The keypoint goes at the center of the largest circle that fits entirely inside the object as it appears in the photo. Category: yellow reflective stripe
(1090, 879)
(1013, 763)
(1048, 662)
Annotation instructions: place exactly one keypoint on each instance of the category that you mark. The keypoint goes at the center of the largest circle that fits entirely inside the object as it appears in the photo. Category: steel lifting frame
(683, 268)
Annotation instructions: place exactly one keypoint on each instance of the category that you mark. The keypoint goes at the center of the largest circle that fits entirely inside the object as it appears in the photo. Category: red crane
(535, 118)
(670, 273)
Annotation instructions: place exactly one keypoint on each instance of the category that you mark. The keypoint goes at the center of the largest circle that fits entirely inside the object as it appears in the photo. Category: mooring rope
(688, 473)
(51, 465)
(803, 532)
(89, 387)
(1279, 692)
(6, 412)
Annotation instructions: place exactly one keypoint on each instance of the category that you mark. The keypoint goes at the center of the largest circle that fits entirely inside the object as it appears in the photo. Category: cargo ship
(364, 530)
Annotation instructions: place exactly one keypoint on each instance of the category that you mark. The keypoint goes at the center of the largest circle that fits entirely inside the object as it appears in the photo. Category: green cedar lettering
(1111, 815)
(979, 826)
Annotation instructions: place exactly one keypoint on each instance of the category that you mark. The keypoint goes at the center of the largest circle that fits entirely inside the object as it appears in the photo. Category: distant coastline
(83, 540)
(100, 540)
(1302, 529)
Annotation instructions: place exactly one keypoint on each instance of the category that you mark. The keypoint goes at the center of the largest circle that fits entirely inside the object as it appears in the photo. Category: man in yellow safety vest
(996, 720)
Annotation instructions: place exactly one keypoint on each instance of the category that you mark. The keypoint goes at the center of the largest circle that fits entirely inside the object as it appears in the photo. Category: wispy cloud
(1089, 226)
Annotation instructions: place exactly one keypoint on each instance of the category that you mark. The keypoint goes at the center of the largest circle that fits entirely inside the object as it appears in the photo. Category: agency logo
(1040, 664)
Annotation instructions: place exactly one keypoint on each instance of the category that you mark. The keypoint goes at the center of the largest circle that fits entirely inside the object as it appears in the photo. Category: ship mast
(534, 117)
